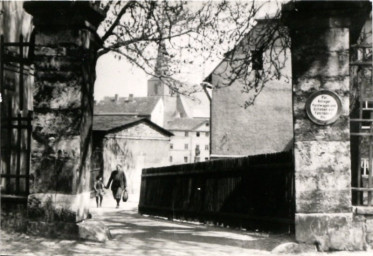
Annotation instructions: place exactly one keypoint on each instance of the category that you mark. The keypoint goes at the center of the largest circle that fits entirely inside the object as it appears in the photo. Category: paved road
(134, 234)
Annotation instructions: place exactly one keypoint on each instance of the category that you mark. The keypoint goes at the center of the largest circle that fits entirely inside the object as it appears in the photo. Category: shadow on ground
(134, 234)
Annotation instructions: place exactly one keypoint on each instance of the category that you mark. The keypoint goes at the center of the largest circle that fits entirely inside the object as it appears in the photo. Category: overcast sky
(116, 76)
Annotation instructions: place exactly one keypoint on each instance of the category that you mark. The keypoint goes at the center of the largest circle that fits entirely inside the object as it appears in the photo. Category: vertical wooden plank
(359, 194)
(9, 146)
(28, 153)
(2, 92)
(19, 141)
(21, 68)
(370, 179)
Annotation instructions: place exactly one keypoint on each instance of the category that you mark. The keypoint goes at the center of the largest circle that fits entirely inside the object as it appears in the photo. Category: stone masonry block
(369, 224)
(324, 181)
(58, 37)
(57, 95)
(51, 207)
(316, 63)
(330, 231)
(331, 39)
(61, 76)
(317, 83)
(322, 156)
(322, 176)
(323, 201)
(57, 63)
(306, 130)
(50, 51)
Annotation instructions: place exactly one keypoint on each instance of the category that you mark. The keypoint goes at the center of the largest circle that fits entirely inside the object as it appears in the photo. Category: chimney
(130, 97)
(116, 98)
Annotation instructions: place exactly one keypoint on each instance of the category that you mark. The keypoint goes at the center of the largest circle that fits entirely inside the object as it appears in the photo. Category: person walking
(118, 183)
(99, 189)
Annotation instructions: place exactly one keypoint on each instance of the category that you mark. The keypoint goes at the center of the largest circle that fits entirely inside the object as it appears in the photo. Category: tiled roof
(106, 123)
(185, 124)
(109, 122)
(137, 105)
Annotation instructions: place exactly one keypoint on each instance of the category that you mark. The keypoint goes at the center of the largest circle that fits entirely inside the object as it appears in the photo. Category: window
(170, 159)
(197, 134)
(186, 134)
(185, 159)
(196, 160)
(207, 124)
(207, 134)
(206, 158)
(171, 146)
(206, 147)
(186, 146)
(257, 59)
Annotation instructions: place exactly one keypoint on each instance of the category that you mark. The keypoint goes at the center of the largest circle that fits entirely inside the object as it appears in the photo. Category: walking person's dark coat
(118, 183)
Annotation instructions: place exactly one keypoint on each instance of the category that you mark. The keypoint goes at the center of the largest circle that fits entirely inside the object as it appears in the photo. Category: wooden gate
(16, 115)
(361, 124)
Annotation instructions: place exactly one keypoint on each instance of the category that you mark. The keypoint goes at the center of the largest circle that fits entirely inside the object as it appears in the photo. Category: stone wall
(64, 59)
(320, 34)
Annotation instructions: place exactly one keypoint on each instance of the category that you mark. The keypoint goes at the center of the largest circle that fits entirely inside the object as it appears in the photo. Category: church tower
(156, 87)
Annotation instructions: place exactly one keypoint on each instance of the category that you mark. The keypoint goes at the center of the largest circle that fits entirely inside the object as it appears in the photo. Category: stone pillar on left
(64, 59)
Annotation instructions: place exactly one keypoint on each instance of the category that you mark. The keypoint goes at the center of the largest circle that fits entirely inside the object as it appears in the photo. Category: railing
(253, 192)
(16, 118)
(361, 124)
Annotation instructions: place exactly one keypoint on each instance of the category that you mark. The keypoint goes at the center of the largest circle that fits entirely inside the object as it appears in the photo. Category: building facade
(190, 142)
(135, 143)
(266, 126)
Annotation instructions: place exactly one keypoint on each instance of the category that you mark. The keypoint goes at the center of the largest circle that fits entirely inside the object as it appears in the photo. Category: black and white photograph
(186, 128)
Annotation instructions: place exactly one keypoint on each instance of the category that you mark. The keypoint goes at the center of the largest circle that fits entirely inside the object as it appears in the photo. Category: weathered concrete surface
(331, 231)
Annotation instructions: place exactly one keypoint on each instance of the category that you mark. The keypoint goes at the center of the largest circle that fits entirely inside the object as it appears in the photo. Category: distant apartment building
(191, 140)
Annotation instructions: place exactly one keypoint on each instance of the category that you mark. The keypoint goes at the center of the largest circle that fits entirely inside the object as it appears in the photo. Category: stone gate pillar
(64, 59)
(320, 40)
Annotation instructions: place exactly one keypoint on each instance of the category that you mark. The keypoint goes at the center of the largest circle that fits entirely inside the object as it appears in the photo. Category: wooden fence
(253, 192)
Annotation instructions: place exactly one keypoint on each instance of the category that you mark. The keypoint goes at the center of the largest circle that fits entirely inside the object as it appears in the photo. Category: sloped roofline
(208, 78)
(142, 120)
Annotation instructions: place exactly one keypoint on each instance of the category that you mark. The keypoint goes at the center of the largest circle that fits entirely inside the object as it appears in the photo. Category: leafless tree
(185, 32)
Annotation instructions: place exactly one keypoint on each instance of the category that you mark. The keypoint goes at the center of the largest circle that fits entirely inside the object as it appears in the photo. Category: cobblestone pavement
(134, 234)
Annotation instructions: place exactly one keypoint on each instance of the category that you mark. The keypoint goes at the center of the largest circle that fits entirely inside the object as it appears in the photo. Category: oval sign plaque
(324, 107)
